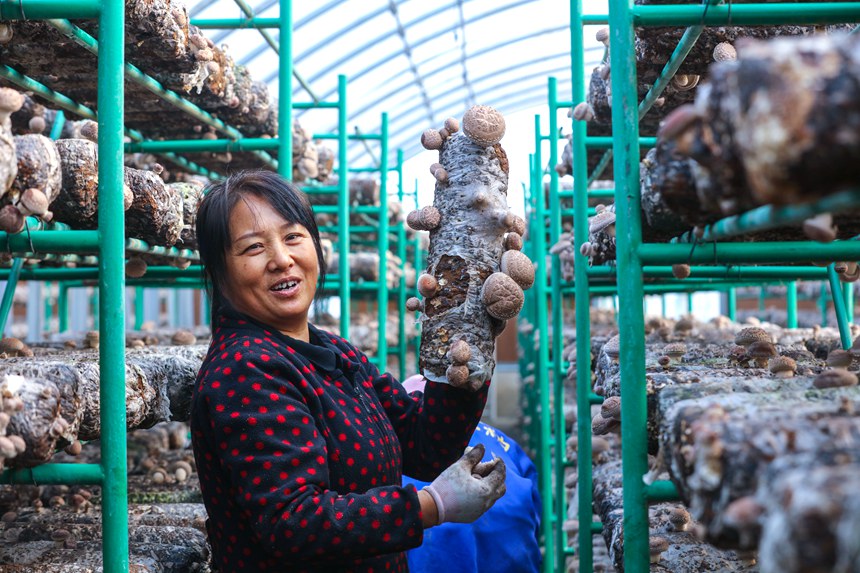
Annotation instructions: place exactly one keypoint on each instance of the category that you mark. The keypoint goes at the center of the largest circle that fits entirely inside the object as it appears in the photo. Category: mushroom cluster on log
(475, 274)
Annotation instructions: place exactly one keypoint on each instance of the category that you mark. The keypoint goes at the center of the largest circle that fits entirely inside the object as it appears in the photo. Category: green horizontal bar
(54, 474)
(363, 169)
(234, 23)
(51, 241)
(596, 528)
(351, 137)
(333, 209)
(594, 399)
(353, 229)
(203, 145)
(362, 286)
(769, 217)
(662, 490)
(64, 274)
(591, 19)
(605, 142)
(563, 105)
(768, 14)
(571, 212)
(765, 252)
(680, 286)
(316, 105)
(592, 194)
(735, 272)
(44, 9)
(321, 190)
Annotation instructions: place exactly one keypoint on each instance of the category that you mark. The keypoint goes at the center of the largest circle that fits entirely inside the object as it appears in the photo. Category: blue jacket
(503, 540)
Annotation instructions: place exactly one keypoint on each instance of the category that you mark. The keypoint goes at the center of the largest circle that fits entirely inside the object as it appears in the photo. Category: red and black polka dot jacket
(301, 448)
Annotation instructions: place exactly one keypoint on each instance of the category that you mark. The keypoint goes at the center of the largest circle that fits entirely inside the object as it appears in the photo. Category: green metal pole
(9, 293)
(111, 236)
(63, 306)
(343, 208)
(383, 243)
(285, 92)
(689, 303)
(49, 308)
(582, 298)
(839, 307)
(849, 301)
(762, 294)
(542, 365)
(791, 304)
(44, 9)
(732, 303)
(401, 285)
(59, 122)
(822, 304)
(630, 318)
(663, 307)
(138, 307)
(557, 375)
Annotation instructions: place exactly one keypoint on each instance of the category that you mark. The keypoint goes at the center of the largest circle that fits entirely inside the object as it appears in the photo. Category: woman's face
(272, 267)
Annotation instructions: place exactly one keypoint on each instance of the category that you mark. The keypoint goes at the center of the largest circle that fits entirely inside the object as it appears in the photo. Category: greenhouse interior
(386, 285)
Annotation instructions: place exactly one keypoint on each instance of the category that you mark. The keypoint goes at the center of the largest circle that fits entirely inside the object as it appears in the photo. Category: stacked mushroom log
(776, 126)
(50, 400)
(740, 422)
(160, 42)
(475, 274)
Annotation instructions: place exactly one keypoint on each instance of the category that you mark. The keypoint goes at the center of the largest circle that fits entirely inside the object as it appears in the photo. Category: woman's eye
(293, 237)
(255, 246)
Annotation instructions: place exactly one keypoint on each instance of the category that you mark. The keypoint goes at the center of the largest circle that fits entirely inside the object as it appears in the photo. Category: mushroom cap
(613, 346)
(679, 517)
(680, 271)
(513, 242)
(657, 544)
(6, 33)
(10, 345)
(183, 338)
(782, 364)
(424, 219)
(664, 360)
(11, 219)
(33, 202)
(820, 228)
(678, 121)
(602, 36)
(428, 286)
(839, 359)
(457, 375)
(36, 124)
(684, 324)
(601, 221)
(135, 267)
(761, 349)
(502, 296)
(611, 408)
(685, 82)
(431, 139)
(725, 52)
(90, 130)
(752, 334)
(413, 304)
(599, 445)
(518, 266)
(452, 125)
(460, 352)
(483, 125)
(675, 350)
(583, 112)
(835, 378)
(10, 100)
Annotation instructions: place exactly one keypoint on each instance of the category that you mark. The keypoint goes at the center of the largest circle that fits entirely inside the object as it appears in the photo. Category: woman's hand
(467, 488)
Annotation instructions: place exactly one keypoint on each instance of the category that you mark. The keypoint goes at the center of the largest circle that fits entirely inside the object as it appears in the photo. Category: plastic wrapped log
(156, 212)
(811, 513)
(669, 200)
(38, 166)
(719, 449)
(10, 101)
(687, 555)
(467, 298)
(191, 195)
(808, 87)
(50, 391)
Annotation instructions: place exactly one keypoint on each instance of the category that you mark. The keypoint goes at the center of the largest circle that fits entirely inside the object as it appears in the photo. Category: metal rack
(718, 266)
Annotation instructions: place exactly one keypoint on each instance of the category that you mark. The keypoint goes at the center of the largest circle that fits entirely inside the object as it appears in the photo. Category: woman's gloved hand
(468, 488)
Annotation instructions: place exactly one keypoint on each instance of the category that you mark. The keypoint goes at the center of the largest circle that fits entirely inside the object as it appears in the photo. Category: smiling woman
(300, 442)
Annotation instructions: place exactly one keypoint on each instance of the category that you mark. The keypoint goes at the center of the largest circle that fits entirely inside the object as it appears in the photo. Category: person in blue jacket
(505, 538)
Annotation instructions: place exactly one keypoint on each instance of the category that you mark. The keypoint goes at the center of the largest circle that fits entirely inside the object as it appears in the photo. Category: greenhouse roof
(418, 61)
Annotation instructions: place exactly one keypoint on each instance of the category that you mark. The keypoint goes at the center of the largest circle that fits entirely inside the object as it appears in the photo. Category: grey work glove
(468, 488)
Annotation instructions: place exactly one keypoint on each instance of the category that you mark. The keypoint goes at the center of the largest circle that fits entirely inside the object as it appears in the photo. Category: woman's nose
(281, 258)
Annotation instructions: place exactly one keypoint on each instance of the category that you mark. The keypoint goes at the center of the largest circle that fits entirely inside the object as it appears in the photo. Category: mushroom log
(469, 287)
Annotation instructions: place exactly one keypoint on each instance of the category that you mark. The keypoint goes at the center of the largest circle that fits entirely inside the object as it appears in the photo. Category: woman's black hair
(213, 223)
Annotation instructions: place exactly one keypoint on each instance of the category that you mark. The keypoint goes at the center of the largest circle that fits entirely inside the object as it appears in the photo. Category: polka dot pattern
(300, 466)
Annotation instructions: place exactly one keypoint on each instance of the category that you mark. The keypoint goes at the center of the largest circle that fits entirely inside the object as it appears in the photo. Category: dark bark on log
(156, 214)
(812, 513)
(685, 554)
(464, 250)
(158, 388)
(812, 97)
(78, 203)
(8, 163)
(719, 449)
(38, 165)
(45, 557)
(191, 195)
